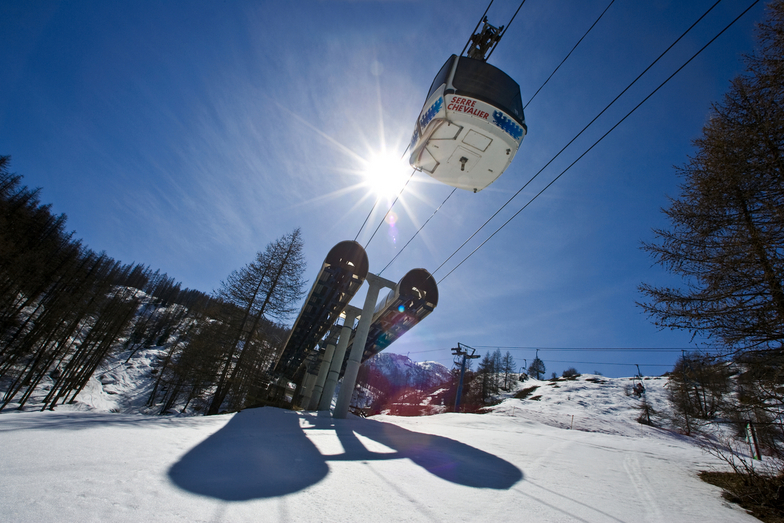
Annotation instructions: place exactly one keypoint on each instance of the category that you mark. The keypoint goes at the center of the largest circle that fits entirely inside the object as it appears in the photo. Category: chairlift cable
(589, 349)
(610, 363)
(571, 349)
(481, 19)
(417, 232)
(579, 362)
(600, 139)
(596, 142)
(573, 139)
(569, 53)
(367, 218)
(505, 30)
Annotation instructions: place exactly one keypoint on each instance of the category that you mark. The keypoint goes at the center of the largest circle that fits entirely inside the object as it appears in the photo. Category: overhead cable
(591, 349)
(572, 141)
(367, 218)
(569, 53)
(580, 349)
(611, 363)
(417, 232)
(390, 208)
(505, 30)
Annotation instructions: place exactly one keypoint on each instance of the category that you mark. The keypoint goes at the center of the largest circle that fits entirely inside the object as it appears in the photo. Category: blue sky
(188, 135)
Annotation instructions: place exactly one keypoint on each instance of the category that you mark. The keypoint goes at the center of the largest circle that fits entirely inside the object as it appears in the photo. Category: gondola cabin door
(471, 125)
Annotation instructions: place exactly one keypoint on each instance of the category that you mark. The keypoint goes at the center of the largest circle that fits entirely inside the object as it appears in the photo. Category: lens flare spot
(401, 308)
(391, 218)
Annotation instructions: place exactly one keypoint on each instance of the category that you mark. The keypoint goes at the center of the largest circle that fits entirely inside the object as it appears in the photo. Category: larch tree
(726, 234)
(508, 367)
(265, 289)
(726, 242)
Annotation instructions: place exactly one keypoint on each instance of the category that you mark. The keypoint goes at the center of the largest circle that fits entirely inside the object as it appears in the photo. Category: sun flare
(386, 173)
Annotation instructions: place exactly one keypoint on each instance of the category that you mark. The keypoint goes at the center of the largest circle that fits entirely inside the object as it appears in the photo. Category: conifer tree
(508, 366)
(726, 242)
(726, 234)
(267, 288)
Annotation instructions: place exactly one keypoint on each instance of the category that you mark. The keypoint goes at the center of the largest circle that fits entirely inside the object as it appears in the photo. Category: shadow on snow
(263, 453)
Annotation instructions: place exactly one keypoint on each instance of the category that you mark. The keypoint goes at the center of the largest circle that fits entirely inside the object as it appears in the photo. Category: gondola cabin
(471, 125)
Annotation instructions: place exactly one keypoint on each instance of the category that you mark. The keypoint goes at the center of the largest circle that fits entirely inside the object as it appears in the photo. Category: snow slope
(519, 462)
(590, 403)
(121, 384)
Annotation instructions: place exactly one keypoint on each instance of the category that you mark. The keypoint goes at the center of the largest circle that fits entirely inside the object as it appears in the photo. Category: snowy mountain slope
(400, 370)
(116, 386)
(124, 387)
(606, 403)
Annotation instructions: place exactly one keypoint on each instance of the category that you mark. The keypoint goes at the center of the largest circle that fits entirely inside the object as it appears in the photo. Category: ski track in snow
(637, 478)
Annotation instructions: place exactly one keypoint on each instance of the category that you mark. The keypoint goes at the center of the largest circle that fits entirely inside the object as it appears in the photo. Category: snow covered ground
(521, 462)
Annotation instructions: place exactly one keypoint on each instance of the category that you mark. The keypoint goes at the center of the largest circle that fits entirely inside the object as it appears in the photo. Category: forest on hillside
(65, 308)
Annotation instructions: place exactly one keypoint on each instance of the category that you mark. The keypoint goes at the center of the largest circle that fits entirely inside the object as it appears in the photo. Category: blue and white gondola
(471, 125)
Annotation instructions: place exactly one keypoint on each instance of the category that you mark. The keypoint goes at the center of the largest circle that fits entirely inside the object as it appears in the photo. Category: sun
(386, 173)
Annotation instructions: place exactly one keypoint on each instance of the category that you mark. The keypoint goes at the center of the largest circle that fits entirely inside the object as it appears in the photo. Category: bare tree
(267, 288)
(508, 366)
(726, 235)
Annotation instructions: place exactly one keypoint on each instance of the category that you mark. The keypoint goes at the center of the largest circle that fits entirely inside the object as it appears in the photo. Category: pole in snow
(751, 437)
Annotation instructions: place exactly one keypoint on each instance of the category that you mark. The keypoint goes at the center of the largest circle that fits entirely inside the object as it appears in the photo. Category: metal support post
(751, 437)
(376, 283)
(325, 403)
(307, 387)
(460, 385)
(326, 361)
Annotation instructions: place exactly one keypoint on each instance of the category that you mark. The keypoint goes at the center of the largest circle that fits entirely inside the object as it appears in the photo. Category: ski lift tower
(462, 350)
